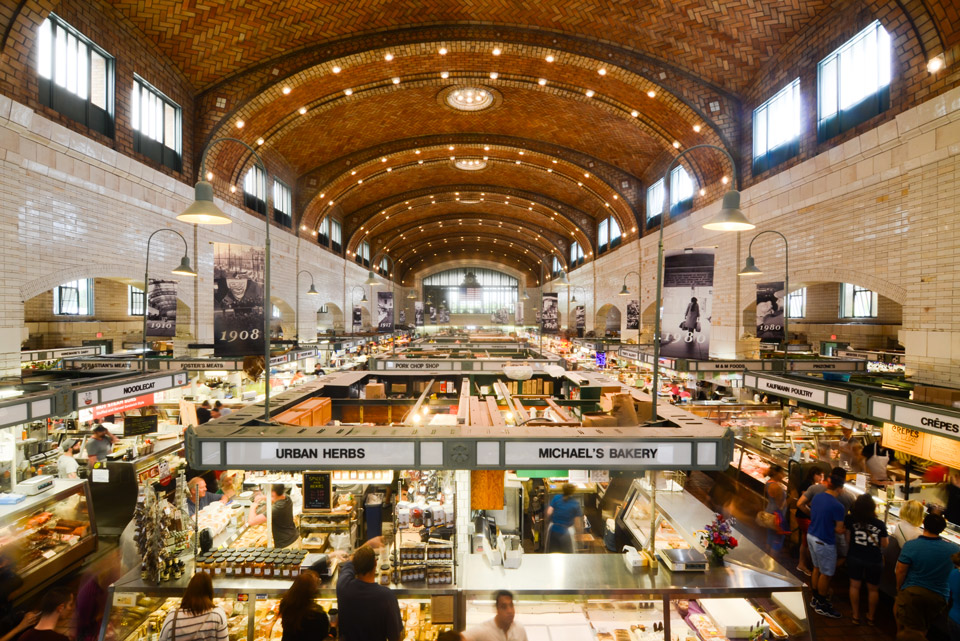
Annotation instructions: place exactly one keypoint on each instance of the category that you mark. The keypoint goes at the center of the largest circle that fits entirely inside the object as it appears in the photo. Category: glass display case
(48, 533)
(136, 610)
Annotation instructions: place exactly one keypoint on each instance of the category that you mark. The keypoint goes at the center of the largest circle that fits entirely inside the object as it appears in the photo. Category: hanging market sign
(598, 453)
(320, 454)
(115, 407)
(918, 417)
(931, 447)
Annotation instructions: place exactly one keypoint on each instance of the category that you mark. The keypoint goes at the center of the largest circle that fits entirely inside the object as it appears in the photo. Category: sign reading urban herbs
(320, 454)
(162, 308)
(384, 312)
(550, 314)
(238, 305)
(687, 304)
(770, 311)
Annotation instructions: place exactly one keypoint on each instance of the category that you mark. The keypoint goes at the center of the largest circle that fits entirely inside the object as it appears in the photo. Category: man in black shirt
(367, 611)
(283, 526)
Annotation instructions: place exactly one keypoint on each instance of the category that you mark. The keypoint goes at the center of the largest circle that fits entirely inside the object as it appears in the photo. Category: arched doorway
(330, 318)
(608, 320)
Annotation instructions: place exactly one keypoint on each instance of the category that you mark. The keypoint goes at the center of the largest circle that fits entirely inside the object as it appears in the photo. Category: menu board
(316, 491)
(137, 425)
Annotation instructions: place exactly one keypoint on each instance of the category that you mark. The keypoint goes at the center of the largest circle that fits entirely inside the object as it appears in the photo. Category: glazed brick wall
(133, 54)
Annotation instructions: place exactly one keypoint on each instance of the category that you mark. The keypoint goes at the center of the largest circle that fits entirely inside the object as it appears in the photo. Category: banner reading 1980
(687, 304)
(162, 308)
(237, 300)
(770, 311)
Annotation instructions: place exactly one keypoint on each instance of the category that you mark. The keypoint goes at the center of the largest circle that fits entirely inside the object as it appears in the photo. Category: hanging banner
(519, 313)
(384, 311)
(237, 300)
(500, 317)
(581, 316)
(444, 315)
(402, 317)
(418, 313)
(687, 304)
(633, 314)
(550, 314)
(162, 308)
(433, 315)
(357, 318)
(770, 311)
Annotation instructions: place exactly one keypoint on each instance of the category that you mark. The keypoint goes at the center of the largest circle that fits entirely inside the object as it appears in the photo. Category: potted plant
(717, 539)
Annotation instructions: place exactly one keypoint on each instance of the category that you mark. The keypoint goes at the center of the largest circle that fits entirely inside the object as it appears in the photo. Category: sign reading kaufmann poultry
(320, 454)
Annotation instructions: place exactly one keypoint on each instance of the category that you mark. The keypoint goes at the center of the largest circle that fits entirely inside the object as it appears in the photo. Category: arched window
(576, 255)
(488, 291)
(608, 234)
(363, 254)
(681, 191)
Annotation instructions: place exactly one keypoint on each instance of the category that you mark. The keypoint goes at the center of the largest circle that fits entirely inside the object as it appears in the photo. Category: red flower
(733, 542)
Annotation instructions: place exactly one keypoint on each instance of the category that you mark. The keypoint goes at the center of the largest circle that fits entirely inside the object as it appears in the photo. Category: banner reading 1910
(238, 300)
(162, 308)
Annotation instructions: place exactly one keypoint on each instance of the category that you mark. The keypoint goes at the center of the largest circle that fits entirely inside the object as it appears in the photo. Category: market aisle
(825, 629)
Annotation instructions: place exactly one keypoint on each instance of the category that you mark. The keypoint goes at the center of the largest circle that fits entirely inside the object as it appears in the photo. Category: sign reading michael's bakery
(610, 454)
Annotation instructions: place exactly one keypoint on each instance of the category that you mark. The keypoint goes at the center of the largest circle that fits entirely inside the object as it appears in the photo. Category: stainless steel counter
(545, 574)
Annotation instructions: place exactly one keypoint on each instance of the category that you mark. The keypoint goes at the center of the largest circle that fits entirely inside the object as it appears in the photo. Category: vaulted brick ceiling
(591, 99)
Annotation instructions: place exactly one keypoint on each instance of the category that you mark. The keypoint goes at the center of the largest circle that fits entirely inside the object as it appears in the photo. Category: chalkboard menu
(137, 425)
(316, 491)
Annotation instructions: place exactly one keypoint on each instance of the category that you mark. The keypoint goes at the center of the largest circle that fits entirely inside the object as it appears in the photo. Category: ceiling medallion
(470, 164)
(470, 98)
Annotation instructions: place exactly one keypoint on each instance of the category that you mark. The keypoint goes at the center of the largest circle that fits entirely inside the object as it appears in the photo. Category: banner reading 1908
(162, 308)
(238, 300)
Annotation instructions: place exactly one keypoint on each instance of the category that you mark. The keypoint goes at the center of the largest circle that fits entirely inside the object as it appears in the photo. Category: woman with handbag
(691, 318)
(775, 492)
(197, 618)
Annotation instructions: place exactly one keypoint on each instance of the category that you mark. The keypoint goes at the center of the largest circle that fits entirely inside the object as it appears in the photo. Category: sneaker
(814, 602)
(826, 609)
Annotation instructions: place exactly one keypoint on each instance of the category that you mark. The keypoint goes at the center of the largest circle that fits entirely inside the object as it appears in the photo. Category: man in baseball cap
(67, 465)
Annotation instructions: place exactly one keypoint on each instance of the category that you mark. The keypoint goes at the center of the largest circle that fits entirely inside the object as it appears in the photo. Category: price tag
(49, 554)
(861, 482)
(125, 599)
(100, 475)
(261, 597)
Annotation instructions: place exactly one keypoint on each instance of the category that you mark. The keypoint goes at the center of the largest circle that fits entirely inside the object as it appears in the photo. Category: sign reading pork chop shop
(321, 454)
(590, 453)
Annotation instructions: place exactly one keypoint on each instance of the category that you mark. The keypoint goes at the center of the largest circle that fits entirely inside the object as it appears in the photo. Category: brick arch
(603, 313)
(113, 271)
(803, 278)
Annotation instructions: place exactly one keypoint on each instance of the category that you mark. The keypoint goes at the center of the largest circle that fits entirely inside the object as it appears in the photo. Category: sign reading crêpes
(938, 449)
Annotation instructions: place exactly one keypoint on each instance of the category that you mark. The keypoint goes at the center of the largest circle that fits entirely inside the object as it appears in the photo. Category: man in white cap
(67, 465)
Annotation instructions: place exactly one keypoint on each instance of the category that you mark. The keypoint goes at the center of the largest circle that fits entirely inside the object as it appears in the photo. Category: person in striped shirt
(197, 618)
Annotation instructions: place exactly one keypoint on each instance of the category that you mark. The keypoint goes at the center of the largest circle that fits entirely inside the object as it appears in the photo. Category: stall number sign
(322, 454)
(791, 390)
(608, 454)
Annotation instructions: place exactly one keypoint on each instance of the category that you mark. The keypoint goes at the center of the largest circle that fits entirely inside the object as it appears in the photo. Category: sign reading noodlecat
(320, 454)
(610, 454)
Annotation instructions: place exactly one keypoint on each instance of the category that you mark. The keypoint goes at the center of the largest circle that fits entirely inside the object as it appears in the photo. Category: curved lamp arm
(184, 262)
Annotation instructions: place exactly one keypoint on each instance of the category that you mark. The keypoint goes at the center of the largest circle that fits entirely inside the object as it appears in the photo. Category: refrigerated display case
(47, 534)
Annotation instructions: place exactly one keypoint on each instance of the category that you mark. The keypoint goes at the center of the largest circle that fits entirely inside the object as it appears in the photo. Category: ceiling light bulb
(542, 81)
(348, 92)
(303, 110)
(652, 93)
(330, 203)
(724, 180)
(259, 141)
(450, 147)
(634, 113)
(935, 64)
(486, 147)
(602, 71)
(209, 176)
(233, 189)
(496, 51)
(676, 144)
(586, 175)
(494, 75)
(388, 57)
(696, 128)
(442, 51)
(419, 162)
(703, 192)
(389, 168)
(286, 91)
(444, 74)
(384, 159)
(549, 58)
(240, 124)
(396, 81)
(335, 69)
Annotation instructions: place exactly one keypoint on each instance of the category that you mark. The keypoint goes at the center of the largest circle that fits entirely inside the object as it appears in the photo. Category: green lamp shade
(312, 291)
(563, 281)
(525, 296)
(364, 299)
(203, 211)
(371, 280)
(624, 291)
(730, 218)
(184, 269)
(750, 268)
(412, 295)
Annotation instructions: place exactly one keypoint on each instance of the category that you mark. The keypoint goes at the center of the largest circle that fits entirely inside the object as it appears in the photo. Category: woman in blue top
(563, 511)
(953, 620)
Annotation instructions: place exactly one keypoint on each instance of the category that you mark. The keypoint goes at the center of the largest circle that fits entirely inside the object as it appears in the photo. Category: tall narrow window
(385, 266)
(608, 234)
(135, 301)
(282, 204)
(255, 190)
(75, 75)
(335, 236)
(156, 125)
(776, 128)
(854, 82)
(74, 298)
(681, 191)
(576, 255)
(797, 303)
(363, 254)
(555, 267)
(655, 199)
(323, 232)
(857, 302)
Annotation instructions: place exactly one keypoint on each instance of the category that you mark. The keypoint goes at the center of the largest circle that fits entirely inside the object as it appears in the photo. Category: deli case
(48, 534)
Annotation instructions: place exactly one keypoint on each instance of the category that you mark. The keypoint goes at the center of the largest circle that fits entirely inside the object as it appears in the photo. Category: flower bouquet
(717, 539)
